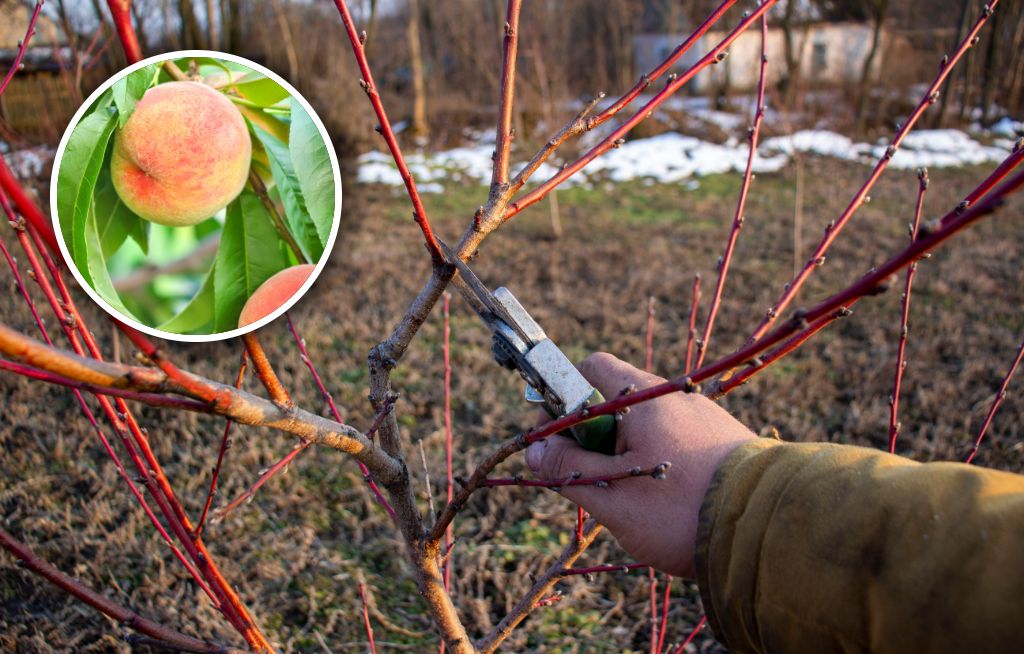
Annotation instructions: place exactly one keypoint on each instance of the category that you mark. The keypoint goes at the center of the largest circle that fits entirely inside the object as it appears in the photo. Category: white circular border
(220, 336)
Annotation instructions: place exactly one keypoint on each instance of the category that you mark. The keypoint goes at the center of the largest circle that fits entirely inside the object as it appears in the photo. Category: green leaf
(114, 220)
(313, 168)
(96, 266)
(248, 255)
(197, 316)
(259, 89)
(129, 90)
(79, 168)
(297, 217)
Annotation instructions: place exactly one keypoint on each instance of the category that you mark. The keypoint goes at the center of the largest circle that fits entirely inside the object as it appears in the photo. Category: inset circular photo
(196, 195)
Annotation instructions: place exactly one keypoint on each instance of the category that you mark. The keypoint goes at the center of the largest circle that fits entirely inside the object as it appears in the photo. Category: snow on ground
(672, 157)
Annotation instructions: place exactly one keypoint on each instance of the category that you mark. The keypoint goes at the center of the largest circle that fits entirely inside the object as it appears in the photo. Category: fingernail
(535, 454)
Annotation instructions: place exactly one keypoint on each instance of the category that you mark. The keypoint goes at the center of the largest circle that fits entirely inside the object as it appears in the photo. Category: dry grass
(295, 550)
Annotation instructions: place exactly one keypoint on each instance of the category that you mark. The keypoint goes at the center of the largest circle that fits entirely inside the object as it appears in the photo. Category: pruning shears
(519, 343)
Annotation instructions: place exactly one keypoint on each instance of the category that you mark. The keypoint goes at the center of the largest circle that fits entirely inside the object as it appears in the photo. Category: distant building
(40, 100)
(830, 54)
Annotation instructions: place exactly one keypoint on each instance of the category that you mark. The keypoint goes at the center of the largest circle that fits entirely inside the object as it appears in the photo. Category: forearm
(828, 548)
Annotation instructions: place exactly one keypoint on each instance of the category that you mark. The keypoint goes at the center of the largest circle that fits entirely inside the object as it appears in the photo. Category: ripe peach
(182, 155)
(274, 292)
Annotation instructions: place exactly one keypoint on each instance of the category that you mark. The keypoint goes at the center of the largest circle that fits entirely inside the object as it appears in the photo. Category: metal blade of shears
(480, 297)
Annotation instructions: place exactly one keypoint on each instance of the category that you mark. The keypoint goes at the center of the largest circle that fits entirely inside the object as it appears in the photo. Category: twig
(693, 634)
(225, 445)
(124, 616)
(894, 401)
(301, 342)
(22, 47)
(265, 476)
(538, 591)
(1000, 396)
(504, 136)
(419, 211)
(714, 56)
(366, 615)
(741, 204)
(622, 567)
(861, 197)
(692, 333)
(576, 479)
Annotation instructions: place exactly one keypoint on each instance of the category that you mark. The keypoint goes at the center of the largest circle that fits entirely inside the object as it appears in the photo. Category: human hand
(655, 521)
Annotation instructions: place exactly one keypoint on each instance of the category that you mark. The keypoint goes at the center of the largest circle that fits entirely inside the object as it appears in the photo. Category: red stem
(504, 136)
(859, 199)
(119, 613)
(626, 567)
(1000, 396)
(894, 401)
(664, 614)
(738, 217)
(653, 582)
(867, 285)
(649, 337)
(663, 67)
(120, 11)
(264, 477)
(377, 494)
(366, 617)
(22, 47)
(26, 207)
(693, 634)
(713, 57)
(692, 334)
(419, 213)
(658, 472)
(225, 445)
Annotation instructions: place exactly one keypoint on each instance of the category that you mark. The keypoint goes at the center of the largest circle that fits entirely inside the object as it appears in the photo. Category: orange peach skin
(274, 292)
(182, 155)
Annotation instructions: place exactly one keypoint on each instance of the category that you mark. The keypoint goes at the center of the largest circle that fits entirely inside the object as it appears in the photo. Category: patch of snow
(29, 163)
(1008, 127)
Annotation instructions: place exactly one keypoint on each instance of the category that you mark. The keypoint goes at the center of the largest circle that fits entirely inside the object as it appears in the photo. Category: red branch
(861, 197)
(894, 401)
(383, 501)
(738, 217)
(503, 139)
(663, 67)
(22, 47)
(26, 207)
(867, 285)
(264, 477)
(625, 567)
(121, 12)
(1000, 396)
(649, 337)
(716, 55)
(692, 334)
(124, 616)
(419, 213)
(693, 634)
(225, 445)
(576, 479)
(366, 616)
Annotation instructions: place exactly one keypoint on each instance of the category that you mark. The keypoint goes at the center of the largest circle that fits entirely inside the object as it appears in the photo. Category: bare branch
(503, 139)
(1000, 396)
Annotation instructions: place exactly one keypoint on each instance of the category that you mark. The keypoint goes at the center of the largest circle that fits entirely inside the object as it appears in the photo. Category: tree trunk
(211, 25)
(947, 92)
(191, 35)
(993, 62)
(878, 9)
(420, 129)
(289, 46)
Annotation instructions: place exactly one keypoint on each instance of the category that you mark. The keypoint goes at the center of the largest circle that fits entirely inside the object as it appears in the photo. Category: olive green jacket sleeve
(832, 548)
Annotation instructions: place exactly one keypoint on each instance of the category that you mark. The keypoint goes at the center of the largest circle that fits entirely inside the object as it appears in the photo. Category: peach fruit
(274, 292)
(182, 155)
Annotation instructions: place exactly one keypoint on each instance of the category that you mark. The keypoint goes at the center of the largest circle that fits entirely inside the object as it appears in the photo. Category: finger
(610, 375)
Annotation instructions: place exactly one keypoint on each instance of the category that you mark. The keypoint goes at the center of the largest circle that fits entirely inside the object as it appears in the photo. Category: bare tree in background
(877, 10)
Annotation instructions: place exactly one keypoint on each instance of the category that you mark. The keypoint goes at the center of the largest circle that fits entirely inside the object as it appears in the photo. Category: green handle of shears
(596, 434)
